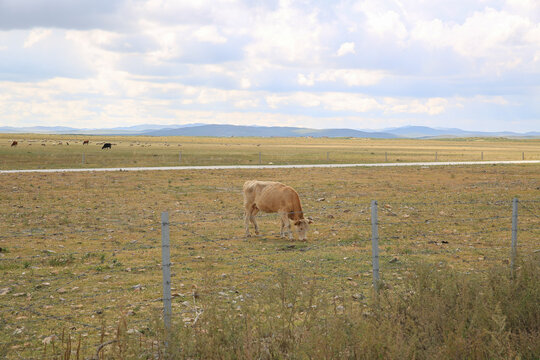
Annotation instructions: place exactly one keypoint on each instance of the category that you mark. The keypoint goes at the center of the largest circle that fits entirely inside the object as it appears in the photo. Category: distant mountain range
(416, 132)
(265, 131)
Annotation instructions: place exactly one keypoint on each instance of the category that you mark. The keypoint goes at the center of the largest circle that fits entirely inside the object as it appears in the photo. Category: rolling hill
(415, 132)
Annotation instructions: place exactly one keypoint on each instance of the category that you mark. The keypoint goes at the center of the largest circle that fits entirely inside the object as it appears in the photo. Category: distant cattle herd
(103, 144)
(106, 145)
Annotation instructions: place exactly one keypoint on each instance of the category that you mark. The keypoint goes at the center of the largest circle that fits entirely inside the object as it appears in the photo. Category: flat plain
(63, 151)
(81, 252)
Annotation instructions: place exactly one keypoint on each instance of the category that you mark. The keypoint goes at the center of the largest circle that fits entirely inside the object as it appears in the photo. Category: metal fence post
(166, 268)
(435, 156)
(482, 156)
(375, 244)
(180, 157)
(327, 156)
(260, 160)
(514, 234)
(83, 158)
(523, 155)
(386, 156)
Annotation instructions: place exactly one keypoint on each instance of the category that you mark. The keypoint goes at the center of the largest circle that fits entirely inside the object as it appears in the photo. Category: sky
(371, 64)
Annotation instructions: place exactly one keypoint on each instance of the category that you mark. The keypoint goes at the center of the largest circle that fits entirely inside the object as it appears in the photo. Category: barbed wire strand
(253, 258)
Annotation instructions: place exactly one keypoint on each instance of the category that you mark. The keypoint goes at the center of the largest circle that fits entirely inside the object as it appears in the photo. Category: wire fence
(58, 155)
(112, 268)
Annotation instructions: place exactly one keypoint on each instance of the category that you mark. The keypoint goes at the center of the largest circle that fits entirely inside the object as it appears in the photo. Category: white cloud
(307, 80)
(489, 30)
(505, 39)
(167, 40)
(433, 106)
(209, 34)
(433, 32)
(496, 100)
(229, 57)
(346, 48)
(286, 35)
(350, 77)
(245, 83)
(524, 7)
(347, 102)
(246, 104)
(350, 102)
(382, 21)
(35, 36)
(328, 101)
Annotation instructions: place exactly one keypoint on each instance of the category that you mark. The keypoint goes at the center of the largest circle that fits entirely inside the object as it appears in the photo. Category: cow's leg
(254, 212)
(285, 223)
(249, 215)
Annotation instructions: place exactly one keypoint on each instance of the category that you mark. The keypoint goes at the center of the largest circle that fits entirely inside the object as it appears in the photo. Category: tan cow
(274, 197)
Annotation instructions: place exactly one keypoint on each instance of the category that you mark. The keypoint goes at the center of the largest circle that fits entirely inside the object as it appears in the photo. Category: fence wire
(113, 265)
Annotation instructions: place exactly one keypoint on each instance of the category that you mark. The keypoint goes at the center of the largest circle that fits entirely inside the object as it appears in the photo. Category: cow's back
(277, 197)
(253, 189)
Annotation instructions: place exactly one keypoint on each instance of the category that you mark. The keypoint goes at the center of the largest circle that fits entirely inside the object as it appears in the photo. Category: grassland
(81, 254)
(51, 151)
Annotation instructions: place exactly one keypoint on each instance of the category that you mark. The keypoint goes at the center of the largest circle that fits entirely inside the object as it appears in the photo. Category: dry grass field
(80, 253)
(52, 151)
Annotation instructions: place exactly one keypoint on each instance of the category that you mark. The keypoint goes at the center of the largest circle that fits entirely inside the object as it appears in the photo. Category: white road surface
(232, 167)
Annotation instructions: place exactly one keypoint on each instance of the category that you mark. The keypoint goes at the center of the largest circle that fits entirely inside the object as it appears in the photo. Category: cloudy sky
(312, 63)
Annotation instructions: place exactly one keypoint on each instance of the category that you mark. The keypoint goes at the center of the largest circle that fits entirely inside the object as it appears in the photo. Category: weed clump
(62, 260)
(444, 315)
(438, 314)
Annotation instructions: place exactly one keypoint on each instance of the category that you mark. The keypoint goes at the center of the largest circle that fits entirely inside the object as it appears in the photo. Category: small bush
(62, 260)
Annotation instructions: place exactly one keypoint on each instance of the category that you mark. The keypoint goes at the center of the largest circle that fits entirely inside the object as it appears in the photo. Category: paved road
(226, 167)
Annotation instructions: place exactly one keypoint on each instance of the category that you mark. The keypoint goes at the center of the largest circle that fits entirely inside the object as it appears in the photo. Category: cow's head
(302, 227)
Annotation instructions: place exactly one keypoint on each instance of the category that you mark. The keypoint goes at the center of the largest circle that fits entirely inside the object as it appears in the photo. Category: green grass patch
(62, 260)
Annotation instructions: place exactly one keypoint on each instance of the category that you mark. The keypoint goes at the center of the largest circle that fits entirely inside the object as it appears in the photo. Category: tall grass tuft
(441, 314)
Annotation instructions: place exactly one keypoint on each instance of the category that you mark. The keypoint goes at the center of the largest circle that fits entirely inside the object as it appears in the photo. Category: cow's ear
(296, 223)
(309, 220)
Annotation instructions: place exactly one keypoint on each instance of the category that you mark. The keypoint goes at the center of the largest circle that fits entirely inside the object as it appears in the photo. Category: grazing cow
(274, 197)
(14, 143)
(106, 146)
(86, 142)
